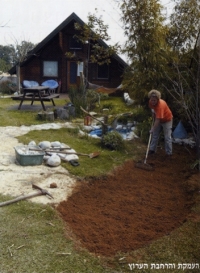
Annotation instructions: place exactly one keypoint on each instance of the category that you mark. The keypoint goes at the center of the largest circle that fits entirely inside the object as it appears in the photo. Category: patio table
(36, 93)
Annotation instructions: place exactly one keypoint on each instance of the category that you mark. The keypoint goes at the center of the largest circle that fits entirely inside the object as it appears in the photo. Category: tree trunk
(18, 79)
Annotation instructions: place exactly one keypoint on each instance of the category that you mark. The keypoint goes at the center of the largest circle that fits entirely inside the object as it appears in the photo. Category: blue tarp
(179, 131)
(122, 132)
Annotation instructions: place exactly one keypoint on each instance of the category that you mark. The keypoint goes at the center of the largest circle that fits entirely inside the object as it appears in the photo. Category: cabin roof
(65, 23)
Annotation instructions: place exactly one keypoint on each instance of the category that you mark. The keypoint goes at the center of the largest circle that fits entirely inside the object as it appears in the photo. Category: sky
(33, 20)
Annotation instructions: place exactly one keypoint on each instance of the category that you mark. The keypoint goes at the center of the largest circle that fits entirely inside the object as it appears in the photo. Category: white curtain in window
(50, 69)
(80, 68)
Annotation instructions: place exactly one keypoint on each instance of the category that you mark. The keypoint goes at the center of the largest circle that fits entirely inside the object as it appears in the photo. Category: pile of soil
(131, 207)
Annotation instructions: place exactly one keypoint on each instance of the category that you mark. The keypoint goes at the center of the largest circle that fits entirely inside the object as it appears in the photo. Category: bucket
(87, 120)
(25, 158)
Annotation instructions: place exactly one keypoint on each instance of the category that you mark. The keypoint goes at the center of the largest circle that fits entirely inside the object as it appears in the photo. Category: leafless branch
(5, 25)
(185, 96)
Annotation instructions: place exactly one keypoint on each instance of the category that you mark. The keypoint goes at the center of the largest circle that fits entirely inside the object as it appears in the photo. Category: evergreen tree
(5, 58)
(165, 56)
(146, 46)
(183, 81)
(184, 25)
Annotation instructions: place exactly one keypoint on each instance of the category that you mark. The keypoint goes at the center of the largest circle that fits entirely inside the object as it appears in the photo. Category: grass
(83, 144)
(33, 237)
(9, 117)
(88, 166)
(33, 240)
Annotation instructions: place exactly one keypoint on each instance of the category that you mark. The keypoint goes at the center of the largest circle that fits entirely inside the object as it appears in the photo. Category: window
(75, 44)
(50, 69)
(102, 71)
(80, 68)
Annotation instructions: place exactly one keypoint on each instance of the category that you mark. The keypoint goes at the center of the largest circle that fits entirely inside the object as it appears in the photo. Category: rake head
(144, 166)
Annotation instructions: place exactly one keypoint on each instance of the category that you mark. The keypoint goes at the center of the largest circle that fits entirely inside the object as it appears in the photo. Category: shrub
(143, 128)
(77, 95)
(87, 98)
(4, 87)
(113, 140)
(92, 97)
(143, 119)
(140, 114)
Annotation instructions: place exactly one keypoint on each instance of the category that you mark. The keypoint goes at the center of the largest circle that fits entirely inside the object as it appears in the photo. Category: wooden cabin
(48, 60)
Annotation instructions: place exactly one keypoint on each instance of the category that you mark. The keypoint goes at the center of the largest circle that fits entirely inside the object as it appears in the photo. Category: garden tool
(28, 196)
(144, 165)
(91, 155)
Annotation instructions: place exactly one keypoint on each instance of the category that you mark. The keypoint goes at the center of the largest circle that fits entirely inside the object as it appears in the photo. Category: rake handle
(147, 148)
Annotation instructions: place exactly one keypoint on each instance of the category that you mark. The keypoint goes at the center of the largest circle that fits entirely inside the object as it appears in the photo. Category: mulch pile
(132, 207)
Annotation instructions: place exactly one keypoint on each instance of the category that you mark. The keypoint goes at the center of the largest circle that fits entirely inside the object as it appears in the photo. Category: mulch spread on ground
(132, 207)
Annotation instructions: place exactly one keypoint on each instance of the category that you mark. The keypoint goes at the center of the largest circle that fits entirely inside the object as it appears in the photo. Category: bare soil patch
(131, 207)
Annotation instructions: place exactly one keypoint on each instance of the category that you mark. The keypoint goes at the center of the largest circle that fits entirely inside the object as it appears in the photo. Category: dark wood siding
(55, 50)
(115, 75)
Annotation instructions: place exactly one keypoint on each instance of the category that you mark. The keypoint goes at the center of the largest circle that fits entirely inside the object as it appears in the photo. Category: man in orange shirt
(163, 119)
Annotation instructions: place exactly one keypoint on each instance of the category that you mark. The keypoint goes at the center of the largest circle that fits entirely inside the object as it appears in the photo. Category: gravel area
(17, 180)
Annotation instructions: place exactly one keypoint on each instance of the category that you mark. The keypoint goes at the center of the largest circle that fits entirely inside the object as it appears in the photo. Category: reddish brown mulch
(132, 207)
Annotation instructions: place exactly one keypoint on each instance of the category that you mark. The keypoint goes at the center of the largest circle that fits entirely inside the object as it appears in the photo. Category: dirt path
(131, 207)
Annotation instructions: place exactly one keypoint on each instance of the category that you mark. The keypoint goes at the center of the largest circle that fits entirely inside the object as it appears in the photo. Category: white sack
(54, 160)
(45, 145)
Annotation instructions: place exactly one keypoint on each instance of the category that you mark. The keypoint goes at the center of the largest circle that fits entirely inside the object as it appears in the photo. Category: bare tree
(19, 53)
(4, 25)
(90, 35)
(187, 96)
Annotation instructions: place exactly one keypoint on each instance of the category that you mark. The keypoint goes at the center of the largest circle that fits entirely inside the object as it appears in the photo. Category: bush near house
(5, 87)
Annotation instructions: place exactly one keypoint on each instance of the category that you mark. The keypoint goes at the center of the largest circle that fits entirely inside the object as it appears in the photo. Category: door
(71, 73)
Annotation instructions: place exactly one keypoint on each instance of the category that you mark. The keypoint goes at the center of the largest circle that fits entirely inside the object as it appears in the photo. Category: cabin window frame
(50, 68)
(74, 44)
(100, 74)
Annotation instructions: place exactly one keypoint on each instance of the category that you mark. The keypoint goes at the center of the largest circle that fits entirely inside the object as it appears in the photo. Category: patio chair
(28, 84)
(52, 84)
